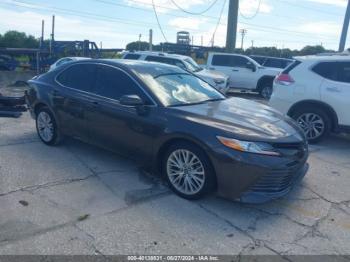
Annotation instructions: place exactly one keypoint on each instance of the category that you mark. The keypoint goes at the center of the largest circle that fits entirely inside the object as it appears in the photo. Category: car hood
(243, 118)
(211, 74)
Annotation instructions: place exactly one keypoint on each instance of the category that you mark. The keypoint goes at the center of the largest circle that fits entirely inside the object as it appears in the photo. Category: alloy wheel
(45, 126)
(312, 124)
(266, 92)
(185, 171)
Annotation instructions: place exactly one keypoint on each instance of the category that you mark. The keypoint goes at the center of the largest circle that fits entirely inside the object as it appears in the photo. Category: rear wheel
(315, 123)
(266, 91)
(188, 171)
(46, 127)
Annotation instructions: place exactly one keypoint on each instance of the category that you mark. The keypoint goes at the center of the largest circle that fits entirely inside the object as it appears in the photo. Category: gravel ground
(79, 199)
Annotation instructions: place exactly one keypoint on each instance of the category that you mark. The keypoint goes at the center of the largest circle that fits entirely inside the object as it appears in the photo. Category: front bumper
(253, 178)
(262, 192)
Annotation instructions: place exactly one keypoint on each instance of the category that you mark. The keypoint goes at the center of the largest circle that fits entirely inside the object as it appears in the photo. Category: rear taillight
(284, 79)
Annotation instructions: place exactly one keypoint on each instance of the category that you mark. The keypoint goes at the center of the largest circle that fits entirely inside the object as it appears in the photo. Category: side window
(80, 77)
(344, 72)
(113, 83)
(277, 63)
(238, 61)
(166, 60)
(220, 60)
(327, 70)
(132, 56)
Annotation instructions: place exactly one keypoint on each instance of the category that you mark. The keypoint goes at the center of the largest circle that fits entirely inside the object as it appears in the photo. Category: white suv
(315, 91)
(244, 72)
(216, 79)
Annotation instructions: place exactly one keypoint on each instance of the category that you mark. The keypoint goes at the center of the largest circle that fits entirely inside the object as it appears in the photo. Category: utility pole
(243, 33)
(150, 40)
(52, 34)
(252, 43)
(345, 29)
(201, 40)
(232, 25)
(140, 42)
(42, 34)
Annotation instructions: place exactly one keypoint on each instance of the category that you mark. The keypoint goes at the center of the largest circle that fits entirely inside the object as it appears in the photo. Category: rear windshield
(132, 56)
(291, 67)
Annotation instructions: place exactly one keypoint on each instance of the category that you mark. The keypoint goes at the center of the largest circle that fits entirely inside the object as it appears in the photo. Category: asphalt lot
(78, 199)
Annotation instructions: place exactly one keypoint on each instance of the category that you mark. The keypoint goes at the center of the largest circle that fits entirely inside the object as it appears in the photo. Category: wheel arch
(264, 79)
(176, 139)
(319, 104)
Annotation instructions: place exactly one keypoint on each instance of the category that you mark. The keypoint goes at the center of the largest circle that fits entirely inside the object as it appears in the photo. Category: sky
(114, 23)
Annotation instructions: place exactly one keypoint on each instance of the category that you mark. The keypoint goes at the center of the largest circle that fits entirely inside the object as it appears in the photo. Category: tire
(45, 120)
(177, 183)
(266, 91)
(318, 120)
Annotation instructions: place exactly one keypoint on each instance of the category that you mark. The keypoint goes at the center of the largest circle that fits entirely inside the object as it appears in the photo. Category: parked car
(273, 62)
(175, 123)
(216, 79)
(65, 60)
(244, 72)
(7, 63)
(315, 91)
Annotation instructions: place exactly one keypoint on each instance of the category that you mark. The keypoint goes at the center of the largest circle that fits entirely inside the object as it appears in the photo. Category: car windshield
(192, 66)
(178, 89)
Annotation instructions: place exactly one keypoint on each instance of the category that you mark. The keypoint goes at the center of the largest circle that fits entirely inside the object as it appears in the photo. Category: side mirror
(131, 100)
(251, 66)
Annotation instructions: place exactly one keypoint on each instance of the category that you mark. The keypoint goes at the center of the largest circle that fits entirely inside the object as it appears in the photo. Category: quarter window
(113, 83)
(80, 77)
(327, 70)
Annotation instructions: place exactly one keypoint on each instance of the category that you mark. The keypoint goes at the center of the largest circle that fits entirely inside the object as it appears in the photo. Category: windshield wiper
(198, 103)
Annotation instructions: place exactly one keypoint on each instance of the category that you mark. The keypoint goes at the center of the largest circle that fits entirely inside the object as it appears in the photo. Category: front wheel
(188, 171)
(46, 127)
(315, 123)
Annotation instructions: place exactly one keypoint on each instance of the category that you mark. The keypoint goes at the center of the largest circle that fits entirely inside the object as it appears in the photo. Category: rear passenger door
(335, 89)
(235, 67)
(72, 98)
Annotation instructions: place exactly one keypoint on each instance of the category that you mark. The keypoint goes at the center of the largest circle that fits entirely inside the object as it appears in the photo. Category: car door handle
(333, 89)
(235, 70)
(211, 68)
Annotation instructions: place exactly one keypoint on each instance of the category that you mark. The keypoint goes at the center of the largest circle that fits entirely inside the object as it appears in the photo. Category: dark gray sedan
(173, 123)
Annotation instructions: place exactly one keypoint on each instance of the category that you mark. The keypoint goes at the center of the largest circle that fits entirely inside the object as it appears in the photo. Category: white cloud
(324, 28)
(249, 7)
(67, 28)
(187, 23)
(164, 6)
(341, 3)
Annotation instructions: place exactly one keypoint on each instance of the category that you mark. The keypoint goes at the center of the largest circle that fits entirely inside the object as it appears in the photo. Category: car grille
(281, 179)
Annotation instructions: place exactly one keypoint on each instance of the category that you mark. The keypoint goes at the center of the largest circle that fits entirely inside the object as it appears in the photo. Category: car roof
(271, 57)
(324, 58)
(162, 54)
(152, 68)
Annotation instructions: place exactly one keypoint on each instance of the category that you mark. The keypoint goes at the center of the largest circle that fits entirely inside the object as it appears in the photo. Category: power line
(77, 13)
(195, 13)
(159, 25)
(254, 15)
(218, 23)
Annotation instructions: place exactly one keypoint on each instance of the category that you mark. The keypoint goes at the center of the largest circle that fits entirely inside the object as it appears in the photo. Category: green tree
(17, 39)
(312, 50)
(137, 46)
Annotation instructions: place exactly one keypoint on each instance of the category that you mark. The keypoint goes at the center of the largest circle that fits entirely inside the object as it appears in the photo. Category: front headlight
(251, 147)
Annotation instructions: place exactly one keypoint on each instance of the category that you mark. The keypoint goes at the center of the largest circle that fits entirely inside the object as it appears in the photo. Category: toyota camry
(173, 123)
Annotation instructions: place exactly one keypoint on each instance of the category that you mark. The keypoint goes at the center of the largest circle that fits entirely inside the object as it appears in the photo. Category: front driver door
(116, 126)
